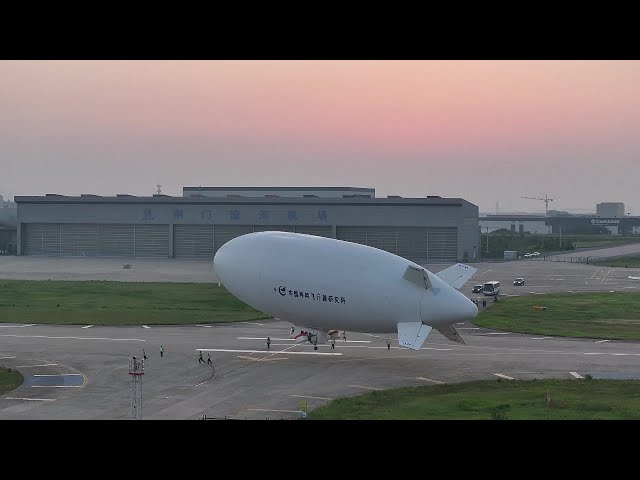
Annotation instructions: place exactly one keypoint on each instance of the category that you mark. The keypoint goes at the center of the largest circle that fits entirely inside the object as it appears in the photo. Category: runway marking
(461, 323)
(504, 376)
(594, 353)
(201, 383)
(575, 374)
(56, 374)
(273, 410)
(18, 326)
(6, 358)
(540, 338)
(468, 328)
(368, 388)
(145, 326)
(31, 399)
(42, 365)
(372, 335)
(77, 338)
(293, 339)
(309, 396)
(496, 333)
(594, 274)
(205, 326)
(254, 359)
(429, 380)
(87, 326)
(602, 341)
(57, 386)
(254, 323)
(605, 277)
(265, 351)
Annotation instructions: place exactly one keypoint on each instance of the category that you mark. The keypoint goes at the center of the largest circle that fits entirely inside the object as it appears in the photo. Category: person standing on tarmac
(200, 359)
(388, 344)
(268, 342)
(161, 350)
(209, 359)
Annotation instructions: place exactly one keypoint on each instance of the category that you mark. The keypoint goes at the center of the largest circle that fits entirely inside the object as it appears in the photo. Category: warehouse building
(196, 225)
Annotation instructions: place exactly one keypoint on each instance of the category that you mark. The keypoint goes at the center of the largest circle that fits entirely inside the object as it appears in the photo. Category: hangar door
(418, 244)
(90, 239)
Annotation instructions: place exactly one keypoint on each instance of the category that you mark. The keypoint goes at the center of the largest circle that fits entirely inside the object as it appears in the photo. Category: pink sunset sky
(485, 131)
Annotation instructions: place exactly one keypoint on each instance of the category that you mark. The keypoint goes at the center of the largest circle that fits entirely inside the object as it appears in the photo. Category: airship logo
(282, 290)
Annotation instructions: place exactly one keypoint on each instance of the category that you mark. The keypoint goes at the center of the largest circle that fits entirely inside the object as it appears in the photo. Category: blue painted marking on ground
(54, 381)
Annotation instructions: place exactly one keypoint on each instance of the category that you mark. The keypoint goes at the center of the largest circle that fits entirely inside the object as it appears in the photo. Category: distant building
(277, 192)
(510, 255)
(610, 210)
(425, 230)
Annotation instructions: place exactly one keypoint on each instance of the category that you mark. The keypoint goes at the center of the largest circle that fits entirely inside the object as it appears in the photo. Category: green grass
(9, 380)
(587, 315)
(486, 400)
(119, 303)
(631, 261)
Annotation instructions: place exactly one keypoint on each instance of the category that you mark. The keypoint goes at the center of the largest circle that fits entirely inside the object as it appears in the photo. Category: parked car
(518, 281)
(535, 254)
(477, 289)
(527, 255)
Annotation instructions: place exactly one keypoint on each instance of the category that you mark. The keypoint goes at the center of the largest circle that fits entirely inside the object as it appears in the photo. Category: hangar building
(196, 225)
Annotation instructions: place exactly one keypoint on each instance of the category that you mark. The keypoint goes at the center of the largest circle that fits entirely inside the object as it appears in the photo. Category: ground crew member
(293, 329)
(344, 335)
(333, 344)
(161, 350)
(388, 344)
(200, 359)
(209, 359)
(268, 342)
(144, 354)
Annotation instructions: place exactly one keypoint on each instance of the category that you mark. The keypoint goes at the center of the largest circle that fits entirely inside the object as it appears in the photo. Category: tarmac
(81, 372)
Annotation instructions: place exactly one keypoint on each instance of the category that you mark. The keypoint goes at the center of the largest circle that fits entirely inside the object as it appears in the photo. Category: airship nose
(222, 261)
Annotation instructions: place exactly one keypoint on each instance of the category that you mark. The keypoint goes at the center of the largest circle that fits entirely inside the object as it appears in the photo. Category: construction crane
(546, 201)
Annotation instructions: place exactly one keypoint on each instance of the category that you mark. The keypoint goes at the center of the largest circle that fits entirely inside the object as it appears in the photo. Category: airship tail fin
(412, 334)
(457, 275)
(451, 333)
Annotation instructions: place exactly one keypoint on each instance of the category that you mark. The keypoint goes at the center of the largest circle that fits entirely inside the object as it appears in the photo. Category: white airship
(322, 286)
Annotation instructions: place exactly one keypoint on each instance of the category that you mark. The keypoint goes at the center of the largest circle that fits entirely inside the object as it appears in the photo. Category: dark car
(518, 281)
(477, 289)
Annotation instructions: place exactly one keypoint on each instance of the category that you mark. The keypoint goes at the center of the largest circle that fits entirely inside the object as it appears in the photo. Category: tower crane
(546, 201)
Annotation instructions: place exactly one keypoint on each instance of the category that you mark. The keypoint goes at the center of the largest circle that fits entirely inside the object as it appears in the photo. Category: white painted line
(265, 351)
(429, 380)
(254, 323)
(57, 386)
(292, 339)
(145, 326)
(575, 374)
(205, 326)
(5, 358)
(594, 353)
(87, 326)
(372, 335)
(18, 326)
(42, 365)
(497, 333)
(368, 388)
(259, 359)
(461, 323)
(601, 341)
(620, 354)
(57, 375)
(504, 376)
(468, 328)
(201, 383)
(273, 410)
(309, 396)
(31, 399)
(540, 338)
(78, 338)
